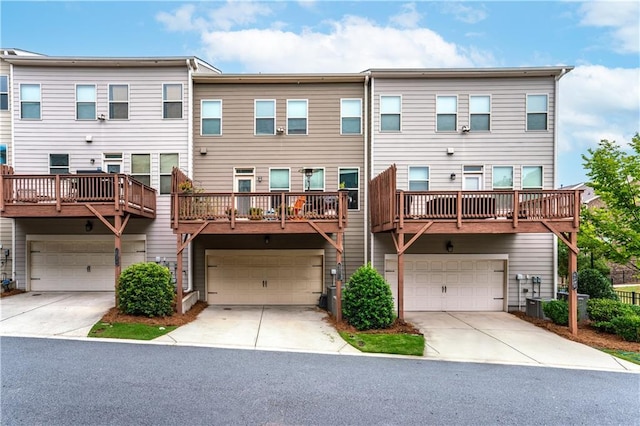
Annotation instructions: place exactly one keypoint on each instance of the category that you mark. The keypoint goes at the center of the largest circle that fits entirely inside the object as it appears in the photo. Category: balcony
(76, 195)
(450, 212)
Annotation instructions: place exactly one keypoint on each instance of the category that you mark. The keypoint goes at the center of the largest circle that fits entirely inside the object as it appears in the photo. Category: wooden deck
(475, 212)
(74, 195)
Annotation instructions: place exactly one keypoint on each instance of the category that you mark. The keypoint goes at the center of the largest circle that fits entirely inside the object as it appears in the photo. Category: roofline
(85, 61)
(555, 71)
(279, 78)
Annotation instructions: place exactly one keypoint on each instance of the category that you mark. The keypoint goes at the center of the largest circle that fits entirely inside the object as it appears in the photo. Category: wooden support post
(341, 276)
(179, 275)
(573, 293)
(401, 276)
(117, 254)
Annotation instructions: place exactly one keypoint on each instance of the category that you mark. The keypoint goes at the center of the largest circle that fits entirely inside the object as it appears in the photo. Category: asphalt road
(68, 382)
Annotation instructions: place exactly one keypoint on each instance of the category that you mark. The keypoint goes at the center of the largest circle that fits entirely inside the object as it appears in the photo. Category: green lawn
(626, 355)
(129, 331)
(399, 344)
(635, 288)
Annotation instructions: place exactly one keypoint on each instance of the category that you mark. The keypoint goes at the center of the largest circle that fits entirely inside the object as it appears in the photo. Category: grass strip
(129, 331)
(399, 344)
(633, 357)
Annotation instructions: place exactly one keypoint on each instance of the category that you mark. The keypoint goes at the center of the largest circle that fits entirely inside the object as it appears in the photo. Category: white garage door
(79, 265)
(444, 283)
(264, 277)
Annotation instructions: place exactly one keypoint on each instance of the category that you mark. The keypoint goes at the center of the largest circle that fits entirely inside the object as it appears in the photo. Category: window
(118, 102)
(296, 117)
(390, 110)
(4, 92)
(172, 101)
(85, 102)
(141, 168)
(472, 178)
(503, 177)
(279, 180)
(419, 178)
(265, 116)
(446, 113)
(351, 116)
(480, 113)
(211, 118)
(349, 177)
(30, 101)
(531, 177)
(537, 108)
(315, 182)
(3, 153)
(167, 163)
(58, 164)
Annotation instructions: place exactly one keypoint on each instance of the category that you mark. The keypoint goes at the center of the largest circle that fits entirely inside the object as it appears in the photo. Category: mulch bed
(11, 292)
(113, 316)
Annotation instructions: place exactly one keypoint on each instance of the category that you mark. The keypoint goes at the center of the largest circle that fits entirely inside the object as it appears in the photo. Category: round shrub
(146, 289)
(596, 285)
(603, 311)
(627, 327)
(367, 302)
(557, 311)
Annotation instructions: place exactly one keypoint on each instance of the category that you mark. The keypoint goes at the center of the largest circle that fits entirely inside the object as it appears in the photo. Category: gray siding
(145, 132)
(322, 147)
(6, 225)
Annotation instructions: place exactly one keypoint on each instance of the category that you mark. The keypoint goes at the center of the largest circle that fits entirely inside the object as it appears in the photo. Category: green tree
(614, 229)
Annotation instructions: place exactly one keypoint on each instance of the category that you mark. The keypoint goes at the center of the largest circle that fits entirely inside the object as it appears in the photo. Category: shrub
(146, 289)
(603, 311)
(557, 311)
(596, 285)
(627, 327)
(367, 301)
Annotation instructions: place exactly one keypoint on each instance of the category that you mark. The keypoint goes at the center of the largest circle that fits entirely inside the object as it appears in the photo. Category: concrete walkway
(495, 337)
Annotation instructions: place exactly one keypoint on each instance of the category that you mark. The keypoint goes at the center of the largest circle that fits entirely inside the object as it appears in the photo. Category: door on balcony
(472, 178)
(112, 162)
(243, 184)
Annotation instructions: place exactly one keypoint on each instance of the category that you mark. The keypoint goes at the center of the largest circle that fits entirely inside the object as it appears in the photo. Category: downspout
(372, 150)
(191, 67)
(556, 96)
(12, 164)
(365, 128)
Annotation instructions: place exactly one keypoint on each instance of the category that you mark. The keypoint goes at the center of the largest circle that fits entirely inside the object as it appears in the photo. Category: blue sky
(599, 99)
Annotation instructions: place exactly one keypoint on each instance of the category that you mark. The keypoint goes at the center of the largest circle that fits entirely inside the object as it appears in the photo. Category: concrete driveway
(492, 337)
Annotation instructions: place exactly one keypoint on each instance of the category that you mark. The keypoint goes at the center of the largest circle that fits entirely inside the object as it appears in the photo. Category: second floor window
(503, 177)
(537, 112)
(446, 113)
(297, 117)
(167, 163)
(58, 164)
(279, 180)
(141, 168)
(265, 116)
(211, 118)
(85, 102)
(118, 102)
(480, 113)
(350, 116)
(4, 93)
(315, 182)
(390, 113)
(172, 101)
(531, 177)
(418, 178)
(349, 180)
(30, 101)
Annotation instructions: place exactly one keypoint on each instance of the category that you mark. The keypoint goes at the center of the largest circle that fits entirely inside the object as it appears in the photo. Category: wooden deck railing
(259, 206)
(124, 192)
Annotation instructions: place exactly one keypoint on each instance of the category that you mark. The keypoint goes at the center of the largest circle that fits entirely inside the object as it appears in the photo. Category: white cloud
(464, 13)
(408, 18)
(181, 19)
(598, 103)
(622, 17)
(238, 13)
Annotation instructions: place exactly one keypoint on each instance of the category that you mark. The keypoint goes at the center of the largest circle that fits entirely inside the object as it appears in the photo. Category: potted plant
(229, 210)
(186, 187)
(255, 213)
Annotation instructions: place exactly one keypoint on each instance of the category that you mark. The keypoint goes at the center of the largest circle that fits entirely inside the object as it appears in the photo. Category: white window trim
(39, 101)
(455, 127)
(513, 178)
(357, 189)
(202, 117)
(255, 116)
(481, 173)
(410, 166)
(49, 167)
(306, 101)
(160, 174)
(150, 173)
(522, 176)
(109, 102)
(526, 118)
(359, 116)
(324, 179)
(95, 102)
(182, 101)
(380, 113)
(289, 180)
(8, 92)
(479, 95)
